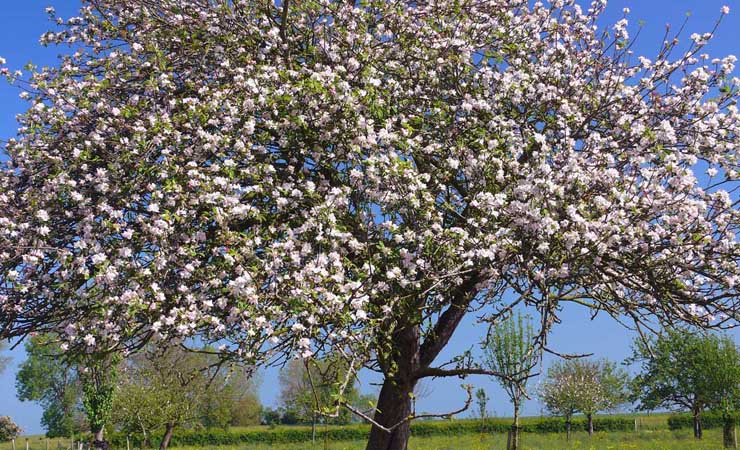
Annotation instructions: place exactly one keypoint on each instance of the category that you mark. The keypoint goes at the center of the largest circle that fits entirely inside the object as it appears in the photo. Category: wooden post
(508, 440)
(26, 443)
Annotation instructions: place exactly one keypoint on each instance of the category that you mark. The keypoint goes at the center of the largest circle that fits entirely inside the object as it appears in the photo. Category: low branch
(389, 430)
(437, 372)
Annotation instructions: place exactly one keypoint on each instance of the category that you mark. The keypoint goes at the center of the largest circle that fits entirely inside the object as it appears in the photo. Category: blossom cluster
(277, 181)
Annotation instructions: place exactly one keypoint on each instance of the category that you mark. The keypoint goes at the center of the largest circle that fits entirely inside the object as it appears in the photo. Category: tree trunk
(567, 429)
(169, 429)
(394, 402)
(99, 440)
(728, 433)
(515, 429)
(697, 423)
(590, 418)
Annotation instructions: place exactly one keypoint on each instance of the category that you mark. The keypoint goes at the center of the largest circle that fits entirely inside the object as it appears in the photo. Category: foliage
(301, 177)
(176, 388)
(8, 429)
(681, 369)
(46, 377)
(511, 352)
(98, 377)
(481, 400)
(309, 392)
(208, 438)
(709, 420)
(4, 360)
(582, 385)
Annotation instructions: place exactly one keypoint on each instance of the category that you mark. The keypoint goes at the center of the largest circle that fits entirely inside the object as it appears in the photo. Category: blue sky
(23, 21)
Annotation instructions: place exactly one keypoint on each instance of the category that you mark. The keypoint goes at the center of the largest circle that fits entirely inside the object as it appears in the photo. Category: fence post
(26, 443)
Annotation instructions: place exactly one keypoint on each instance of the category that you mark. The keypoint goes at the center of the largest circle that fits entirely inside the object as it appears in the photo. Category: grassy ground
(645, 440)
(653, 435)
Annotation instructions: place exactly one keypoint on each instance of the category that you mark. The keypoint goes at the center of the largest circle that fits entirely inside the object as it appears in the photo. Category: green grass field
(653, 435)
(645, 440)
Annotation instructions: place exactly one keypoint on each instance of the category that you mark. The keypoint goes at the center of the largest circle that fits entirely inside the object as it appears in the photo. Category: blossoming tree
(300, 176)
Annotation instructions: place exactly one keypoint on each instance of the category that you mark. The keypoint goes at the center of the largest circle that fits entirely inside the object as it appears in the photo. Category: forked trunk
(394, 402)
(168, 431)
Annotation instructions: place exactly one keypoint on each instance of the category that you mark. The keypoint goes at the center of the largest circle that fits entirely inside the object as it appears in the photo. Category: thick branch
(448, 322)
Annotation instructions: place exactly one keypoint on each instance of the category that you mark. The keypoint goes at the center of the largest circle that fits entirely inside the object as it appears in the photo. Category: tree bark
(567, 429)
(99, 440)
(169, 430)
(515, 429)
(394, 402)
(590, 418)
(697, 423)
(728, 433)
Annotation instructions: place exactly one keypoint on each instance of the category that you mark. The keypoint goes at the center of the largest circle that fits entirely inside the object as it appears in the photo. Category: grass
(653, 435)
(644, 440)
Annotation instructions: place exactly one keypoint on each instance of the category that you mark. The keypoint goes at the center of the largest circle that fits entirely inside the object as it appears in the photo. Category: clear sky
(23, 21)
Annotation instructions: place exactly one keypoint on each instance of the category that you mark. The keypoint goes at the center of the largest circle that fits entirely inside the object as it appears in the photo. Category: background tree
(4, 360)
(166, 389)
(302, 178)
(8, 429)
(244, 388)
(481, 400)
(603, 387)
(680, 369)
(46, 377)
(725, 379)
(98, 380)
(308, 393)
(511, 353)
(560, 392)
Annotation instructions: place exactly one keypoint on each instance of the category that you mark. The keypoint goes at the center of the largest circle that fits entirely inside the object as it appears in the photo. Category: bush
(709, 419)
(359, 432)
(8, 429)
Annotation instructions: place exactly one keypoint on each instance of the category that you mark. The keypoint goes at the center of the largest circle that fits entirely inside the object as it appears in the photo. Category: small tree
(603, 387)
(98, 376)
(481, 399)
(45, 377)
(725, 381)
(308, 391)
(165, 389)
(560, 393)
(681, 369)
(582, 385)
(8, 429)
(510, 352)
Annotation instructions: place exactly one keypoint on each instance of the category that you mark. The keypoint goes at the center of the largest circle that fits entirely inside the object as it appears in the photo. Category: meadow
(653, 434)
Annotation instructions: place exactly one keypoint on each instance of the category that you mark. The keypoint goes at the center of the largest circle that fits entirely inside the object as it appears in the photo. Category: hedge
(359, 432)
(709, 419)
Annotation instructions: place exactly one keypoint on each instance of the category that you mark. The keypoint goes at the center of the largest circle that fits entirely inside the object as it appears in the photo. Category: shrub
(358, 432)
(710, 419)
(8, 429)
